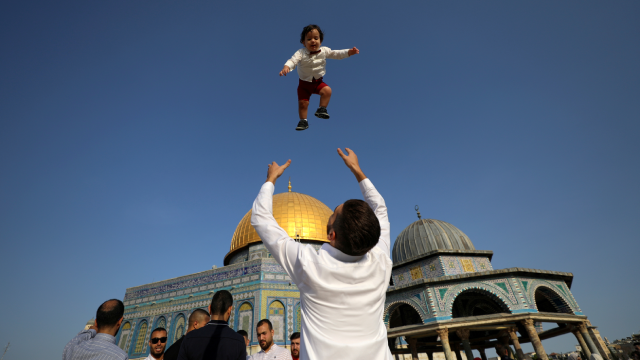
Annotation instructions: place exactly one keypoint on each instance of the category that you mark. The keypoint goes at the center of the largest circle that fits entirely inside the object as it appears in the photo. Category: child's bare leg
(325, 96)
(303, 105)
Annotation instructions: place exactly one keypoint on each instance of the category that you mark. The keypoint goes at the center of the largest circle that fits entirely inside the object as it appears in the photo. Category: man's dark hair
(243, 333)
(295, 335)
(159, 329)
(357, 228)
(264, 321)
(109, 313)
(309, 28)
(197, 315)
(221, 302)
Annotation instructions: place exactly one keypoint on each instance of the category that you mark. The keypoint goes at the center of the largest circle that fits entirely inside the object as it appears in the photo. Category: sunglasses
(162, 340)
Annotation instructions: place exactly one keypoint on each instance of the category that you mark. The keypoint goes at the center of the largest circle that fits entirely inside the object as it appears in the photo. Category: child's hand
(285, 70)
(354, 51)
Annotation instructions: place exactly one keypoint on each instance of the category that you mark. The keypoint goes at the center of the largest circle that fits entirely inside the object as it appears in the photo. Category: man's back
(89, 345)
(342, 296)
(213, 341)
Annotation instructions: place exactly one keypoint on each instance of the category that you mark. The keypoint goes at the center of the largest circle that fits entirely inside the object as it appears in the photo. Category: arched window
(245, 318)
(124, 335)
(276, 316)
(179, 328)
(162, 323)
(142, 333)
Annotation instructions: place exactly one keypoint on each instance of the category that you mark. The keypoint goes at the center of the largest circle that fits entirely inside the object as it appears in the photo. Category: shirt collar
(105, 337)
(273, 347)
(306, 51)
(217, 322)
(339, 255)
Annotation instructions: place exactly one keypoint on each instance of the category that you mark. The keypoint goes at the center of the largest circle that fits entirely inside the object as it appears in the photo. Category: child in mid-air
(311, 62)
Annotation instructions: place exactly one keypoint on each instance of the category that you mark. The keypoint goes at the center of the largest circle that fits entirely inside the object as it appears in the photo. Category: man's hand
(276, 170)
(351, 160)
(354, 51)
(285, 70)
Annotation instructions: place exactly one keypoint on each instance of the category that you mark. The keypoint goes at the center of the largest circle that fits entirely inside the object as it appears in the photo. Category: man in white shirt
(270, 351)
(343, 285)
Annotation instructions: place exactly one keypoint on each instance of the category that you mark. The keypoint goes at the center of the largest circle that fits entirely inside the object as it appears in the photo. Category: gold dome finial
(289, 183)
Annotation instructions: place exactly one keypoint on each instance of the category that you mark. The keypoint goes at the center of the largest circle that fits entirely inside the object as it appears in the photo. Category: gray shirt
(89, 345)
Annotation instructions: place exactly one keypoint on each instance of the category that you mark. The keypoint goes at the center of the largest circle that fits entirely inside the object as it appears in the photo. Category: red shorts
(306, 88)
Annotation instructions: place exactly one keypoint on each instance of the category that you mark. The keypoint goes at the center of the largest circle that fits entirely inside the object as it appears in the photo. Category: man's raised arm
(275, 239)
(372, 197)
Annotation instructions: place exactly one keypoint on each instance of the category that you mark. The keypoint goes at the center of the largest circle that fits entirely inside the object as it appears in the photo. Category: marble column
(585, 335)
(535, 340)
(444, 339)
(413, 346)
(483, 356)
(595, 336)
(516, 344)
(464, 335)
(583, 345)
(504, 340)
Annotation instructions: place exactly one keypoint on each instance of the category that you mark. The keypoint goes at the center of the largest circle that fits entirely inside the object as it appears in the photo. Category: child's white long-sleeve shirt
(314, 66)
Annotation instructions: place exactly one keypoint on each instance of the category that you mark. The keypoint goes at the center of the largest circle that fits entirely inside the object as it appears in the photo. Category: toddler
(311, 62)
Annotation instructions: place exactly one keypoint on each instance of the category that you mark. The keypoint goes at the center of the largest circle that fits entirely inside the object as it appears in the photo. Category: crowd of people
(342, 290)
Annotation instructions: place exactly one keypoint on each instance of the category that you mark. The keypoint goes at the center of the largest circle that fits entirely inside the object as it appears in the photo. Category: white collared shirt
(314, 66)
(275, 353)
(342, 296)
(150, 357)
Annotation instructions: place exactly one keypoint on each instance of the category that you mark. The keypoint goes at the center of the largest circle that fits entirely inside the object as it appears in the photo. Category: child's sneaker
(322, 113)
(302, 125)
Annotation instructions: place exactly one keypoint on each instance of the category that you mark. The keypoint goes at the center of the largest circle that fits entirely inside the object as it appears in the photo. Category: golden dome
(300, 215)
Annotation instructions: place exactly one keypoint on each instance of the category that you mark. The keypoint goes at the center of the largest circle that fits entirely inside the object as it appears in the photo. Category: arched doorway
(404, 315)
(547, 300)
(477, 302)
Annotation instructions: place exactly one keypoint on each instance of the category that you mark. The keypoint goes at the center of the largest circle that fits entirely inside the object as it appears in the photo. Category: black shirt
(214, 341)
(173, 350)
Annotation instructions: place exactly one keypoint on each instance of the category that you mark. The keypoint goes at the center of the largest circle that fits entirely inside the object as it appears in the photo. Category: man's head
(198, 319)
(157, 342)
(245, 335)
(353, 228)
(264, 330)
(109, 316)
(295, 345)
(221, 304)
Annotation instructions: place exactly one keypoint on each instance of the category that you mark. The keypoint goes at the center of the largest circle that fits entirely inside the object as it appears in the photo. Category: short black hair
(264, 321)
(221, 302)
(295, 335)
(109, 313)
(197, 315)
(309, 28)
(158, 329)
(243, 333)
(357, 228)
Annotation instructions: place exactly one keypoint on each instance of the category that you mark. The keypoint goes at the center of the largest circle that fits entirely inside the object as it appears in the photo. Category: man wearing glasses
(157, 343)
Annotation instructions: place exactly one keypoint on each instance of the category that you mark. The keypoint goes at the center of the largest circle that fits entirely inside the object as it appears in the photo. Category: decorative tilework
(416, 273)
(467, 265)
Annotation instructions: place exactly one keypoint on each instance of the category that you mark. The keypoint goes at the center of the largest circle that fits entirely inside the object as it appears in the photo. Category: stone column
(504, 340)
(535, 340)
(464, 335)
(515, 342)
(413, 347)
(483, 356)
(583, 345)
(595, 336)
(444, 339)
(585, 335)
(456, 351)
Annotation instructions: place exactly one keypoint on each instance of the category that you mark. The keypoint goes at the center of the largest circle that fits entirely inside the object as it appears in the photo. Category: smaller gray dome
(426, 235)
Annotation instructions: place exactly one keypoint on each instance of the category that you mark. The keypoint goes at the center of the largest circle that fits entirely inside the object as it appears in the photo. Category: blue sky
(134, 135)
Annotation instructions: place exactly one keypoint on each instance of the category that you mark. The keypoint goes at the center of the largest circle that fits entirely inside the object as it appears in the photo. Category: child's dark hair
(307, 29)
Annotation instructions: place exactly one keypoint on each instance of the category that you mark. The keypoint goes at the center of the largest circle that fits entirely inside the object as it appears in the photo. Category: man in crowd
(157, 343)
(295, 345)
(245, 335)
(215, 341)
(197, 319)
(99, 341)
(343, 285)
(270, 351)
